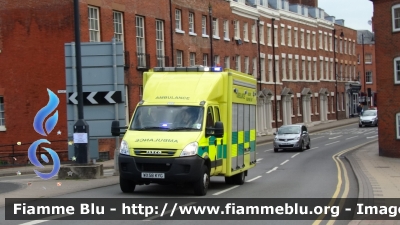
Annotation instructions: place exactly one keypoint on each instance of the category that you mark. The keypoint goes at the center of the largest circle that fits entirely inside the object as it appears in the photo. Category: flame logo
(49, 125)
(35, 161)
(44, 112)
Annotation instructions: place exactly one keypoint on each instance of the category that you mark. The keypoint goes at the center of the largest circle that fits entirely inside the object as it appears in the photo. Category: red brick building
(386, 23)
(366, 67)
(177, 33)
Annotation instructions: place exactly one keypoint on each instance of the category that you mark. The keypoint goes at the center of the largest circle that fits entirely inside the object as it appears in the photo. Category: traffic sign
(96, 97)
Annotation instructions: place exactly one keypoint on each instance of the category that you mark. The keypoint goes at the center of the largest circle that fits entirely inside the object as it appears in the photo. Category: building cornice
(244, 10)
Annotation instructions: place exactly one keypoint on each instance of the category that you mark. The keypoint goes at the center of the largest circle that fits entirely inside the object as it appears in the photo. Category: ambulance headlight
(124, 149)
(190, 149)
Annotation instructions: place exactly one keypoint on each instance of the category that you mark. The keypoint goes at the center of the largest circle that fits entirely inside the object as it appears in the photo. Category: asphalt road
(321, 172)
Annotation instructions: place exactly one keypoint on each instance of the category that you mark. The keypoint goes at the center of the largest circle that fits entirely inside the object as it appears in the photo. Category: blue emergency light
(188, 69)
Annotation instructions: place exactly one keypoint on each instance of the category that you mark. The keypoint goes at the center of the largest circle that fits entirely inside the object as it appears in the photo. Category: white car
(292, 137)
(369, 118)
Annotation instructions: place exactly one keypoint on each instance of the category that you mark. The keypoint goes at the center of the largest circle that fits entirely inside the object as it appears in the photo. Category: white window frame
(282, 34)
(253, 33)
(262, 35)
(216, 60)
(215, 28)
(262, 70)
(94, 19)
(296, 40)
(191, 23)
(140, 41)
(2, 115)
(192, 58)
(118, 18)
(226, 30)
(394, 28)
(314, 44)
(270, 75)
(397, 125)
(179, 61)
(205, 59)
(298, 106)
(246, 64)
(246, 32)
(368, 77)
(236, 29)
(284, 77)
(289, 36)
(290, 69)
(227, 62)
(320, 40)
(160, 48)
(308, 35)
(396, 70)
(204, 26)
(178, 20)
(276, 37)
(269, 34)
(255, 67)
(369, 58)
(238, 63)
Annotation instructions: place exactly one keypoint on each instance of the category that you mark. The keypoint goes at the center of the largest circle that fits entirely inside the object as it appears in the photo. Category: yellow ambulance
(192, 123)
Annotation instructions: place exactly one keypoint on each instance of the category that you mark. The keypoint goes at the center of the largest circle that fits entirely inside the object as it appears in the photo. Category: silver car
(292, 137)
(369, 118)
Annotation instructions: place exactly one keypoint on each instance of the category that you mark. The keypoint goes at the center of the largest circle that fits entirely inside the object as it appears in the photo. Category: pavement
(378, 177)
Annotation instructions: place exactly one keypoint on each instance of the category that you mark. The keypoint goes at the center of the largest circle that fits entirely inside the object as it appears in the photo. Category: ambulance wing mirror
(219, 129)
(216, 131)
(116, 129)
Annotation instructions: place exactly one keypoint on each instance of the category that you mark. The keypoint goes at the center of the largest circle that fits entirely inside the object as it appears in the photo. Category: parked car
(292, 137)
(369, 118)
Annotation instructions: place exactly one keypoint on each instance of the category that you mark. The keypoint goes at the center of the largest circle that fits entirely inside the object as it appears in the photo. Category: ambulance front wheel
(127, 186)
(201, 185)
(239, 178)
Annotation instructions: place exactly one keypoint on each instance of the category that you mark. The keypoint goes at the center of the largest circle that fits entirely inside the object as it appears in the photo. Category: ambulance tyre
(201, 186)
(239, 178)
(127, 186)
(228, 180)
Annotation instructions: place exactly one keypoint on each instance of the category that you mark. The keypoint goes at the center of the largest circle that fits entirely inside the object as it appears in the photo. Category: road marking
(335, 137)
(255, 178)
(285, 162)
(268, 150)
(372, 136)
(369, 132)
(295, 155)
(318, 137)
(272, 170)
(259, 159)
(33, 222)
(351, 137)
(332, 143)
(339, 166)
(223, 191)
(313, 148)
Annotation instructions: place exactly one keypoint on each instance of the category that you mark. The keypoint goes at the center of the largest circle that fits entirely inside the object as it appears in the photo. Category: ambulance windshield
(168, 118)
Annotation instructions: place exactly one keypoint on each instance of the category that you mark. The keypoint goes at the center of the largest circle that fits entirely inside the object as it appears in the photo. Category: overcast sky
(356, 13)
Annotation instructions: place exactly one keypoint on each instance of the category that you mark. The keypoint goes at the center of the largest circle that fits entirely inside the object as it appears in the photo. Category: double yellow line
(340, 166)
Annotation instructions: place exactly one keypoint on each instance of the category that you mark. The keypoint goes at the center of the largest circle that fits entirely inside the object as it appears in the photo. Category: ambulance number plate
(153, 175)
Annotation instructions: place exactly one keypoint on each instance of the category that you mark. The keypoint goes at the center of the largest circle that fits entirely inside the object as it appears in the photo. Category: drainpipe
(171, 33)
(274, 72)
(259, 54)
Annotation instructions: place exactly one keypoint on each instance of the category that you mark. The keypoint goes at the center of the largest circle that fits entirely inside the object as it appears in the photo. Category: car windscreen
(369, 113)
(168, 118)
(289, 130)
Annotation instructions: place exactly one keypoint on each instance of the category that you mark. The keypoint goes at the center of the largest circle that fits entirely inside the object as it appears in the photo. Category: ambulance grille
(155, 152)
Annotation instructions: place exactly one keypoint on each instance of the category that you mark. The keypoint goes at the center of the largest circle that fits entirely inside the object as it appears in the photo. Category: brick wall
(387, 48)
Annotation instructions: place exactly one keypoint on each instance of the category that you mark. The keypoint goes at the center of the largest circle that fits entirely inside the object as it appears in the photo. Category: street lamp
(211, 34)
(334, 69)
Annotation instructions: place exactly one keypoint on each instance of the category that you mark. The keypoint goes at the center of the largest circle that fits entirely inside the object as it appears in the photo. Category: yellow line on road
(340, 166)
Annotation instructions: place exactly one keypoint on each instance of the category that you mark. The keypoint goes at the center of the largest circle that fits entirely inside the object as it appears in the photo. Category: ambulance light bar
(188, 69)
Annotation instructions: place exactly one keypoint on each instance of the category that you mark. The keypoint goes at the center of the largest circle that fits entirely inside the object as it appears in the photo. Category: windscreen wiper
(182, 128)
(151, 128)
